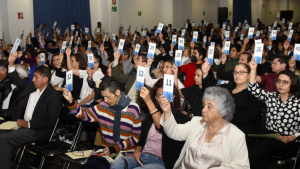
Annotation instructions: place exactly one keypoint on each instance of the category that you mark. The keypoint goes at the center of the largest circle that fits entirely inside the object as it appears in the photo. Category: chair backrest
(54, 130)
(76, 137)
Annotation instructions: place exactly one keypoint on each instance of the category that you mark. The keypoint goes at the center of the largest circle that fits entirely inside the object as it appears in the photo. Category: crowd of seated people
(215, 109)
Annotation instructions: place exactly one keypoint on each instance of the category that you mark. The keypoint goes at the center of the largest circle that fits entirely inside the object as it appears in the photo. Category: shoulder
(235, 133)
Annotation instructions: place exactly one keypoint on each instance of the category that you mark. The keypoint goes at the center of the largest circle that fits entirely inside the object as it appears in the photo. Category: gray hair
(224, 101)
(22, 70)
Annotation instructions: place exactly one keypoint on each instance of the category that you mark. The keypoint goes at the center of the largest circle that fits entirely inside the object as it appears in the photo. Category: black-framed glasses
(284, 82)
(239, 72)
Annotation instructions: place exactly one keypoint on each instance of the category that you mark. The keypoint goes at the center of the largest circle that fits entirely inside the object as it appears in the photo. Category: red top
(189, 70)
(268, 80)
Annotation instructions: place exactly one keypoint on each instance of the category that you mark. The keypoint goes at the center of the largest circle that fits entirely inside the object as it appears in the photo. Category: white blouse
(55, 80)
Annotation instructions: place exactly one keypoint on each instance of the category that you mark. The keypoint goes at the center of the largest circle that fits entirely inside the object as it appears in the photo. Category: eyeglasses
(284, 82)
(168, 67)
(239, 73)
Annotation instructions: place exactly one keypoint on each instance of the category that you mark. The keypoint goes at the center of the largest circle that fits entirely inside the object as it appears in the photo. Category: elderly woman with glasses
(282, 117)
(211, 141)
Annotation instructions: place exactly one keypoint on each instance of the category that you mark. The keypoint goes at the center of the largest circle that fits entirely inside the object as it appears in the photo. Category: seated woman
(56, 81)
(193, 94)
(210, 140)
(282, 117)
(154, 146)
(118, 116)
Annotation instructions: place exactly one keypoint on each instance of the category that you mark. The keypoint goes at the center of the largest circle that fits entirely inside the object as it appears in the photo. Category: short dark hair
(52, 42)
(4, 64)
(238, 47)
(126, 51)
(96, 56)
(295, 87)
(44, 71)
(75, 24)
(201, 51)
(282, 59)
(249, 58)
(109, 83)
(144, 57)
(169, 59)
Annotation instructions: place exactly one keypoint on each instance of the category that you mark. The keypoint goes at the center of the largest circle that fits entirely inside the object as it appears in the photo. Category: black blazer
(5, 89)
(46, 111)
(169, 157)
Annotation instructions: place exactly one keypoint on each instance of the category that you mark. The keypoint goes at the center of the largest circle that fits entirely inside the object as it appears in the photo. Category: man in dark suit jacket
(36, 110)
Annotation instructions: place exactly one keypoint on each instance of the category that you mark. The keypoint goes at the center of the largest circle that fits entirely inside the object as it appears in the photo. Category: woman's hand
(145, 94)
(149, 62)
(252, 64)
(67, 95)
(205, 69)
(68, 51)
(285, 139)
(105, 152)
(164, 104)
(136, 155)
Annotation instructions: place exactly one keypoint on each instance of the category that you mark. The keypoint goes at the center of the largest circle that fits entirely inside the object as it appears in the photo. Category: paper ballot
(222, 82)
(151, 50)
(137, 49)
(133, 38)
(114, 38)
(54, 25)
(89, 45)
(145, 26)
(63, 48)
(76, 34)
(250, 33)
(283, 21)
(278, 14)
(258, 41)
(246, 27)
(258, 51)
(193, 24)
(72, 28)
(210, 58)
(9, 125)
(290, 35)
(78, 40)
(168, 87)
(224, 25)
(186, 26)
(15, 47)
(227, 47)
(257, 34)
(195, 36)
(140, 77)
(174, 37)
(91, 60)
(182, 33)
(42, 55)
(181, 44)
(204, 40)
(227, 35)
(160, 27)
(121, 45)
(155, 34)
(69, 81)
(126, 34)
(297, 51)
(274, 25)
(144, 34)
(240, 24)
(212, 44)
(273, 35)
(290, 26)
(178, 54)
(86, 30)
(270, 29)
(71, 41)
(236, 29)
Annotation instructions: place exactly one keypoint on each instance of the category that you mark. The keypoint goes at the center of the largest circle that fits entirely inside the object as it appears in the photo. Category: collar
(224, 130)
(41, 92)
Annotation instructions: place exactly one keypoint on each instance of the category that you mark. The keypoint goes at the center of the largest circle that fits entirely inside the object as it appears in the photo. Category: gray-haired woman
(211, 141)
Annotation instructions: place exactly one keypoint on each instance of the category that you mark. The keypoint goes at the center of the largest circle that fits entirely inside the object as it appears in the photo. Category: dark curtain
(241, 11)
(65, 12)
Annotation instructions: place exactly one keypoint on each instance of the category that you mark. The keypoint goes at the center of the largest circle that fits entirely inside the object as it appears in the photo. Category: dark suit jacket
(5, 88)
(46, 111)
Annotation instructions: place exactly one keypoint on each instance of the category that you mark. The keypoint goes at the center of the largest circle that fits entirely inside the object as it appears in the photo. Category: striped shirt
(85, 89)
(130, 122)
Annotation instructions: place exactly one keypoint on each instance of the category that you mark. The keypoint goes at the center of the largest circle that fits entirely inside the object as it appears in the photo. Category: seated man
(118, 116)
(36, 110)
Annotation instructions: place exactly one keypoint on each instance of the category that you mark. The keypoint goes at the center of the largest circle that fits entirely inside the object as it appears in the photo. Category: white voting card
(140, 77)
(204, 40)
(168, 87)
(283, 21)
(91, 60)
(144, 34)
(98, 30)
(297, 51)
(275, 25)
(151, 50)
(63, 47)
(182, 33)
(290, 35)
(224, 25)
(195, 36)
(290, 26)
(278, 14)
(160, 27)
(86, 30)
(178, 54)
(78, 40)
(133, 38)
(227, 35)
(222, 82)
(126, 34)
(114, 38)
(270, 29)
(71, 41)
(228, 28)
(257, 41)
(181, 44)
(246, 27)
(240, 24)
(69, 80)
(174, 37)
(89, 45)
(257, 34)
(155, 33)
(210, 58)
(42, 58)
(227, 47)
(15, 47)
(258, 51)
(54, 25)
(193, 24)
(72, 28)
(137, 49)
(121, 45)
(186, 25)
(274, 34)
(76, 34)
(212, 44)
(236, 29)
(250, 33)
(145, 26)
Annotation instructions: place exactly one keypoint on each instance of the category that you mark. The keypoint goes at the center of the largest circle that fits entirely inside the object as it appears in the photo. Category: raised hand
(68, 51)
(252, 64)
(205, 68)
(223, 58)
(67, 95)
(175, 69)
(164, 104)
(149, 61)
(12, 58)
(117, 55)
(145, 94)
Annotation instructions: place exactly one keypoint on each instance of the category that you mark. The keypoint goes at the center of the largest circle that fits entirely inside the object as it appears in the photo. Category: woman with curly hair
(153, 148)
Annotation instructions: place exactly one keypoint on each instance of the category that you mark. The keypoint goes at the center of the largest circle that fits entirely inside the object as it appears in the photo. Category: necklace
(214, 132)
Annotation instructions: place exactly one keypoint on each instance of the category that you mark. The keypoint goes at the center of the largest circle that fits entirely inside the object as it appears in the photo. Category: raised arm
(115, 70)
(69, 65)
(148, 80)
